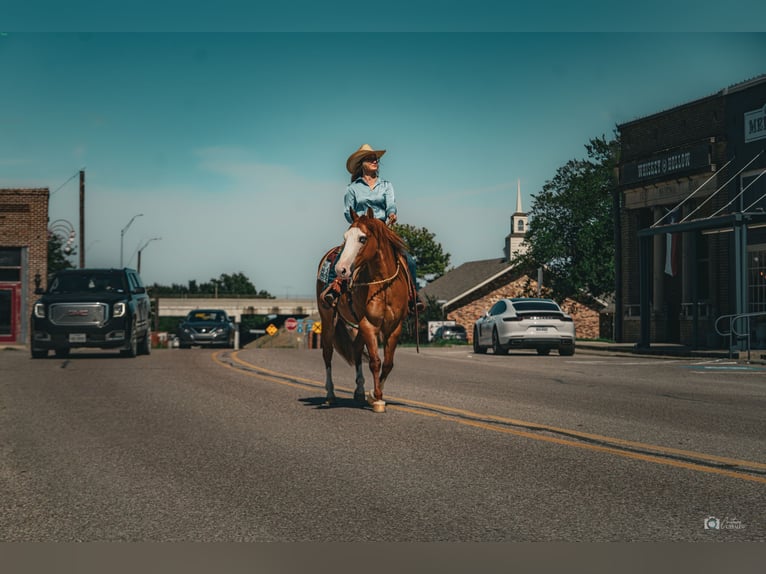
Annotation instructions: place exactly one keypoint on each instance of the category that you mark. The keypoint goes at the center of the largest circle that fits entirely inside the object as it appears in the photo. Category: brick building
(23, 258)
(468, 291)
(692, 228)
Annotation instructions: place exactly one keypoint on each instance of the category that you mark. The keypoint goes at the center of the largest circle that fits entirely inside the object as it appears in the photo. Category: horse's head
(364, 240)
(359, 243)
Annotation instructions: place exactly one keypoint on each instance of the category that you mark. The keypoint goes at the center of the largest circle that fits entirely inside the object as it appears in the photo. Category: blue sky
(233, 144)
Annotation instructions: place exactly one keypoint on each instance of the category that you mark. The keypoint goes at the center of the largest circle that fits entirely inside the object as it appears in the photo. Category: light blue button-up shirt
(359, 197)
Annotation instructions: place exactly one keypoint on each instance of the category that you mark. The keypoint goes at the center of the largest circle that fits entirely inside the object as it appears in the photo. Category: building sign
(755, 125)
(667, 164)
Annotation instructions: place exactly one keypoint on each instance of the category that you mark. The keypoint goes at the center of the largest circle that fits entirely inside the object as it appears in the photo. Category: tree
(58, 254)
(223, 286)
(431, 259)
(571, 227)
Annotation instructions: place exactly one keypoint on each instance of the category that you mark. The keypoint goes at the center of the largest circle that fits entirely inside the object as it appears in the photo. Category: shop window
(10, 264)
(756, 278)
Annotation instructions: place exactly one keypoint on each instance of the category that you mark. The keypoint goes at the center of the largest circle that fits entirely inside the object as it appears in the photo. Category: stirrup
(417, 304)
(331, 293)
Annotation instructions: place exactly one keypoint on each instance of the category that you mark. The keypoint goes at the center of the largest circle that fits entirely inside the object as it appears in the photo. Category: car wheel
(62, 353)
(566, 351)
(478, 349)
(132, 349)
(145, 347)
(543, 351)
(497, 348)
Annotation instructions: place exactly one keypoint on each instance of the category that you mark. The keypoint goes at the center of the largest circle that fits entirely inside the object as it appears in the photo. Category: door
(10, 309)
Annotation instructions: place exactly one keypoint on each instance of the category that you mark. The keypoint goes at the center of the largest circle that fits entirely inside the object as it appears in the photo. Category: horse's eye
(363, 240)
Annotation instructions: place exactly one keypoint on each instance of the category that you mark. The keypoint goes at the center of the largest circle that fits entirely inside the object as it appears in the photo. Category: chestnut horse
(372, 307)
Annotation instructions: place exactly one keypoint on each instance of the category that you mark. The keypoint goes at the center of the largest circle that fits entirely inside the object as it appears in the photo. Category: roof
(744, 85)
(465, 278)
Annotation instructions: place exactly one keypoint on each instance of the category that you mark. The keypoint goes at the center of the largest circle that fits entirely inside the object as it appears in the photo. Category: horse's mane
(384, 233)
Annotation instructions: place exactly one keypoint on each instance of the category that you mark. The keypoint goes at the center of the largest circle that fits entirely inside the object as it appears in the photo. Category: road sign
(291, 323)
(271, 330)
(317, 328)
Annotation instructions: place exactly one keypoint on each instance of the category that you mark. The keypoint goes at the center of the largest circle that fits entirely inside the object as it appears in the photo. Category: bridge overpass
(236, 307)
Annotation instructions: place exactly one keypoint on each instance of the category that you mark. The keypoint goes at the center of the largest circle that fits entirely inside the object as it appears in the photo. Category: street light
(142, 248)
(122, 234)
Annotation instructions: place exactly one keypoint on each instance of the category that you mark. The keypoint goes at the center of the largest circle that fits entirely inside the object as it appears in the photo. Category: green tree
(225, 285)
(428, 253)
(571, 224)
(58, 254)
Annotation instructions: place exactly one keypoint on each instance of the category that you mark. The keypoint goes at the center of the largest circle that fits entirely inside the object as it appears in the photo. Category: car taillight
(567, 319)
(513, 319)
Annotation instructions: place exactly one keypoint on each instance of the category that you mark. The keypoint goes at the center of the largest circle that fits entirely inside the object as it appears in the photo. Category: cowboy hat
(352, 163)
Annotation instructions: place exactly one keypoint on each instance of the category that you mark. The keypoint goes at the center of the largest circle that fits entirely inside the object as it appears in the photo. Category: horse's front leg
(359, 392)
(389, 348)
(370, 338)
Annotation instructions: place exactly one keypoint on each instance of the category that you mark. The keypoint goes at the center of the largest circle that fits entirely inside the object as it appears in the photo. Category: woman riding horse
(368, 191)
(371, 309)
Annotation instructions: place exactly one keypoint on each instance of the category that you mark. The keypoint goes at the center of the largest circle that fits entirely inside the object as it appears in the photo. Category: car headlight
(40, 310)
(119, 309)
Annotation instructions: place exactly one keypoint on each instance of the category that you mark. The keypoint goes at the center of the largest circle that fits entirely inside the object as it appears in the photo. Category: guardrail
(735, 329)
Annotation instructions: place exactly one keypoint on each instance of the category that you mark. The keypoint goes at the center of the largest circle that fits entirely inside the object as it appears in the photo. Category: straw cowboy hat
(352, 163)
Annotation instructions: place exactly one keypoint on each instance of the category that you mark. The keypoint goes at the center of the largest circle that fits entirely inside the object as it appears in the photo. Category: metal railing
(735, 329)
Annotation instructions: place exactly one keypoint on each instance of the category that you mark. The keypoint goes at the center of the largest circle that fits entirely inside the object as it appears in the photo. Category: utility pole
(82, 218)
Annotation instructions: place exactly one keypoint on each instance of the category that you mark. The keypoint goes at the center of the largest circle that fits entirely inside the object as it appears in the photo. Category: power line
(67, 181)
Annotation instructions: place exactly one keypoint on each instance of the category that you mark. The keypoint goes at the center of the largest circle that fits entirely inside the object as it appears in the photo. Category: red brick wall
(586, 319)
(24, 223)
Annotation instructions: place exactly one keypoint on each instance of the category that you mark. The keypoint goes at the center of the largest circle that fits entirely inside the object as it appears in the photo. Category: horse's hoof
(359, 397)
(377, 406)
(330, 401)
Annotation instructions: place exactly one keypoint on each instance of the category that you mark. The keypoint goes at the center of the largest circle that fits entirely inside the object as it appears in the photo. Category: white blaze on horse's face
(354, 239)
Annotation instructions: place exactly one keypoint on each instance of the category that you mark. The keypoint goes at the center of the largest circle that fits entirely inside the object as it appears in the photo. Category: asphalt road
(201, 445)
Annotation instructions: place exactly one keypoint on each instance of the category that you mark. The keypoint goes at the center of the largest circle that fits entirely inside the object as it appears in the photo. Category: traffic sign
(271, 330)
(317, 328)
(291, 323)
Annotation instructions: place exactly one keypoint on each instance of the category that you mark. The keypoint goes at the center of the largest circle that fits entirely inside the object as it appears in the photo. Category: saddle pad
(328, 261)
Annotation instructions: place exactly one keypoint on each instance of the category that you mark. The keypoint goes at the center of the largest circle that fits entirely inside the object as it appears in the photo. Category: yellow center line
(493, 423)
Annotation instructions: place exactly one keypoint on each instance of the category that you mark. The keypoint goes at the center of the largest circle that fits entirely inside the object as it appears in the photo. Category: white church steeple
(514, 242)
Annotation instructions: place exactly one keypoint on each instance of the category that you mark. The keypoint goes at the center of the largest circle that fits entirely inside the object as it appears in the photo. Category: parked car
(97, 308)
(451, 333)
(206, 327)
(525, 323)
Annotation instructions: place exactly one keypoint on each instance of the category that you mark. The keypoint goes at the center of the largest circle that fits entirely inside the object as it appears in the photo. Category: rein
(352, 283)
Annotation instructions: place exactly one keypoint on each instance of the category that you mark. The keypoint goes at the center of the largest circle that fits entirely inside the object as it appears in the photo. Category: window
(10, 264)
(756, 278)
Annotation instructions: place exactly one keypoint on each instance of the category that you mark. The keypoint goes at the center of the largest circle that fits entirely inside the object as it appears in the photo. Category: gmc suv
(98, 308)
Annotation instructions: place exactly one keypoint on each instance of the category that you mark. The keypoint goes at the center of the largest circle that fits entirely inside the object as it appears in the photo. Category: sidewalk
(670, 351)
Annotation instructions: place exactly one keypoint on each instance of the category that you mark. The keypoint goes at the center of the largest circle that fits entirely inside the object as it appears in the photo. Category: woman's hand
(391, 219)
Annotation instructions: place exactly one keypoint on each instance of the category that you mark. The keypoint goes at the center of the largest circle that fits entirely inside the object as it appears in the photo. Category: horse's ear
(353, 214)
(370, 213)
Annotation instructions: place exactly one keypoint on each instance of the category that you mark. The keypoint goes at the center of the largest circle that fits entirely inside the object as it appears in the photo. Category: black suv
(100, 308)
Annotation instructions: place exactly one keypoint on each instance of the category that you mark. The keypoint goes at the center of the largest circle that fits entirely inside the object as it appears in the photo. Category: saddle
(328, 261)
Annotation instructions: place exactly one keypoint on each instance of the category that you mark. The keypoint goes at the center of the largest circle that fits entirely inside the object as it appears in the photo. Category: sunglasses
(372, 158)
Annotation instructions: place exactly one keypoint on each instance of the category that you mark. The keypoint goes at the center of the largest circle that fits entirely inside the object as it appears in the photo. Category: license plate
(77, 337)
(543, 329)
